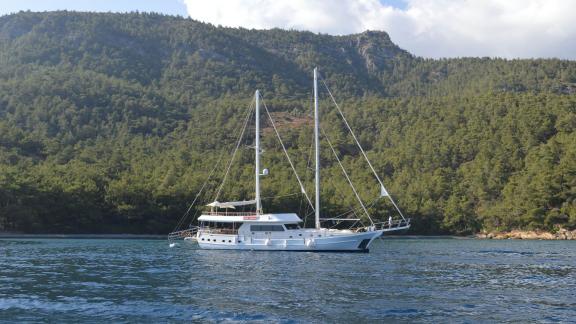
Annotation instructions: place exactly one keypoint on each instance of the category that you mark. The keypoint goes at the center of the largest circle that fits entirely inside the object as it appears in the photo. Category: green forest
(111, 123)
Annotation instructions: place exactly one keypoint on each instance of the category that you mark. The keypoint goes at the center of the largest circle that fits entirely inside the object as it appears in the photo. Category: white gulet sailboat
(220, 229)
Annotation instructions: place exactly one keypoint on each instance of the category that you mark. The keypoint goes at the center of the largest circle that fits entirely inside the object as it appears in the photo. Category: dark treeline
(111, 122)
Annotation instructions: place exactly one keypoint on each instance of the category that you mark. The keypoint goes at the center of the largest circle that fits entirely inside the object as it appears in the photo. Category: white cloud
(430, 28)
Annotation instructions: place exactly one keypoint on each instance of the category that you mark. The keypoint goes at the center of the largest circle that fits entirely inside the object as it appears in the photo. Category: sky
(428, 28)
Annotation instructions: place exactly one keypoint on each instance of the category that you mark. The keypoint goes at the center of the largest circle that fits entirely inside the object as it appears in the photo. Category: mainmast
(317, 149)
(257, 149)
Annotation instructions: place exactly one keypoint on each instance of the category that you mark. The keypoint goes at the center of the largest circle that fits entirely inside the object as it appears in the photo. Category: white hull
(352, 242)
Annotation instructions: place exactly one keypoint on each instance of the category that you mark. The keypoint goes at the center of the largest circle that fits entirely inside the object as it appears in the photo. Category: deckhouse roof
(247, 217)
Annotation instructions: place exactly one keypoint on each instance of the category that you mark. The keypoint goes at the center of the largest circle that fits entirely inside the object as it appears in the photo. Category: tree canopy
(110, 123)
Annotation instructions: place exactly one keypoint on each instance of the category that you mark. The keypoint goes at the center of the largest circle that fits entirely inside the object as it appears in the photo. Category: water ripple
(411, 280)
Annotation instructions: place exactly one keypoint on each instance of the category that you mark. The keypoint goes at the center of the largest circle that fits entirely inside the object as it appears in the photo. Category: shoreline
(561, 234)
(84, 236)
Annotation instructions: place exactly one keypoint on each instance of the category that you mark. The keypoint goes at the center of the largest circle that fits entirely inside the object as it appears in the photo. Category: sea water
(400, 280)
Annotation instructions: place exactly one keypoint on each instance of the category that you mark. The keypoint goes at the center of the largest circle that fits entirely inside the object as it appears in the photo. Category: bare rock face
(375, 48)
(565, 234)
(546, 236)
(561, 234)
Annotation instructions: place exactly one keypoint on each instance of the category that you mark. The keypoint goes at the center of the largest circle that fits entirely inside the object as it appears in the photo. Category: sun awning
(231, 204)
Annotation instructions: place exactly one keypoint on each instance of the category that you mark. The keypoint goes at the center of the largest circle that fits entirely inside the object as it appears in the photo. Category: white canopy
(231, 204)
(288, 218)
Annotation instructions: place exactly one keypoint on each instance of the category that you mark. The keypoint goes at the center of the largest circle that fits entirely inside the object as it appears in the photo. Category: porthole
(202, 239)
(290, 236)
(299, 234)
(223, 241)
(229, 241)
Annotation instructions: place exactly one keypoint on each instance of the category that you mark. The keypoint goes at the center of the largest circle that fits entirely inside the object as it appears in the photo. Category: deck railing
(219, 213)
(180, 235)
(217, 230)
(394, 225)
(191, 232)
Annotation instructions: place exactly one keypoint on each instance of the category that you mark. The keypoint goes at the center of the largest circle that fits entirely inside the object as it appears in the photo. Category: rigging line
(183, 218)
(235, 151)
(351, 226)
(353, 211)
(308, 168)
(306, 216)
(337, 223)
(346, 175)
(306, 212)
(247, 119)
(186, 214)
(300, 206)
(286, 153)
(343, 196)
(281, 196)
(306, 173)
(360, 146)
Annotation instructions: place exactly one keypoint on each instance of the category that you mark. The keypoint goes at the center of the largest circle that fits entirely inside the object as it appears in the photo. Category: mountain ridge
(109, 123)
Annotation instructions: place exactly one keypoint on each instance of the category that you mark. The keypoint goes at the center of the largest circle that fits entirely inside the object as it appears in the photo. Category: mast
(257, 149)
(317, 150)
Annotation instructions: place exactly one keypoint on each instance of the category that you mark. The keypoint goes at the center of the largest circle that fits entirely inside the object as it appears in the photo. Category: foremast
(257, 152)
(316, 151)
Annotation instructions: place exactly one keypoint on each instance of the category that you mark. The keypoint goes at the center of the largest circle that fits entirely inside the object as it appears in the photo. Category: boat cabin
(237, 223)
(229, 227)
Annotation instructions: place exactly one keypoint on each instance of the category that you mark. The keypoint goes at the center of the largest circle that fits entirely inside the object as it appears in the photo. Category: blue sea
(400, 280)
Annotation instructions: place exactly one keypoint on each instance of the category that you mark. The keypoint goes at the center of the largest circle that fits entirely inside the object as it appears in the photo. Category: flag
(383, 192)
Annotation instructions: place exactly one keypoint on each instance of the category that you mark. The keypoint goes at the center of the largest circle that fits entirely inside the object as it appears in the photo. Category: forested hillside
(110, 123)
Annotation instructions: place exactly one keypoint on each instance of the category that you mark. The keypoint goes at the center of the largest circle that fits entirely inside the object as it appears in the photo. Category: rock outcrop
(561, 234)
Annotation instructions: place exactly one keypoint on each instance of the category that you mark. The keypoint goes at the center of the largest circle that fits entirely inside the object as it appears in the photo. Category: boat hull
(353, 242)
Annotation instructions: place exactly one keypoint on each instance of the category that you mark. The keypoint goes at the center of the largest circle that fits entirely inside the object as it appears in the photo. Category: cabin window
(266, 228)
(292, 226)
